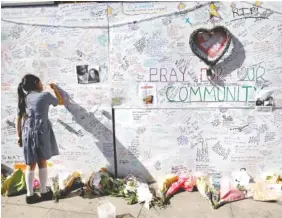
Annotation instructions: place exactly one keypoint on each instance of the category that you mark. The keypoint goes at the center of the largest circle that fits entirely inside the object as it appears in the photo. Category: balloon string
(209, 72)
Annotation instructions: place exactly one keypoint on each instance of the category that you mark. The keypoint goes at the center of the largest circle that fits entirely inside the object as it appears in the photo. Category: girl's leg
(29, 177)
(46, 195)
(43, 176)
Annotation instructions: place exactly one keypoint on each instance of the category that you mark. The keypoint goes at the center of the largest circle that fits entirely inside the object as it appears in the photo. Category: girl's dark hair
(96, 72)
(97, 75)
(29, 83)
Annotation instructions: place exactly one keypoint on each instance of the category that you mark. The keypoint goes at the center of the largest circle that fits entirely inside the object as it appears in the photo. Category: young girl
(35, 133)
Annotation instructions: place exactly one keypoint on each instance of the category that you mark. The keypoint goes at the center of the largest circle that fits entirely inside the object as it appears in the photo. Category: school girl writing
(35, 133)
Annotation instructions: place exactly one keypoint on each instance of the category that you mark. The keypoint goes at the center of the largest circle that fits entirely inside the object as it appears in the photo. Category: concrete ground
(183, 205)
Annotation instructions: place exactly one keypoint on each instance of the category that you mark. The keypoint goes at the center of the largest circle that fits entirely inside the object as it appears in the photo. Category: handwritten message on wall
(195, 124)
(169, 117)
(156, 50)
(198, 140)
(50, 42)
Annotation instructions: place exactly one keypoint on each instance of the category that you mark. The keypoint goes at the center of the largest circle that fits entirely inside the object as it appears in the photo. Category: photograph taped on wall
(268, 102)
(147, 92)
(264, 101)
(87, 74)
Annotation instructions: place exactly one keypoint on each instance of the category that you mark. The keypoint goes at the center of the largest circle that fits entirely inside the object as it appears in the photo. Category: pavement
(183, 205)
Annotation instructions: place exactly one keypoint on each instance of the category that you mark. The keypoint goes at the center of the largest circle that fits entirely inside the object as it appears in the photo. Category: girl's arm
(19, 129)
(57, 93)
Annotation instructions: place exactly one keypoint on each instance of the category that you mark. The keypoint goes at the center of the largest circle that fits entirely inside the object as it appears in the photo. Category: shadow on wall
(232, 62)
(96, 126)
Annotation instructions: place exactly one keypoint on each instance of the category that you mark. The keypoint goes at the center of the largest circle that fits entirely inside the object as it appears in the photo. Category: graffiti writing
(254, 140)
(182, 141)
(202, 154)
(179, 170)
(157, 165)
(239, 129)
(221, 151)
(140, 45)
(241, 12)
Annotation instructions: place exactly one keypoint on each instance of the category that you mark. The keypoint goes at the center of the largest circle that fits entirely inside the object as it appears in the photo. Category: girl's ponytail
(21, 103)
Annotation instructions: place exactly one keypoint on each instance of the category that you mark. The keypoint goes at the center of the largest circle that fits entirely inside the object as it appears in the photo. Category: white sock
(29, 178)
(43, 180)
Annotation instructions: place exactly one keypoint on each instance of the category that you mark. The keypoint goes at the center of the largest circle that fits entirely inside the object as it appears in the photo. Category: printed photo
(82, 74)
(147, 93)
(268, 102)
(93, 76)
(148, 99)
(264, 103)
(264, 98)
(86, 74)
(259, 102)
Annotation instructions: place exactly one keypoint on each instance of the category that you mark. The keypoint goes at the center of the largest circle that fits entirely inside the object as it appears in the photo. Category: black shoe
(35, 198)
(48, 196)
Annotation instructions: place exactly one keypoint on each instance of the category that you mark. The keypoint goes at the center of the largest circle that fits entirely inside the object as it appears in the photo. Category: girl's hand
(19, 140)
(52, 85)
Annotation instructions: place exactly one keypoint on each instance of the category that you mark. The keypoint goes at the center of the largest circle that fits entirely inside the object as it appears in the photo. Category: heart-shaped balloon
(210, 45)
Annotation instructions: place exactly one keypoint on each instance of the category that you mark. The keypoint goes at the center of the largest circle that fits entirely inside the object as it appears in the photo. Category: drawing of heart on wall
(210, 45)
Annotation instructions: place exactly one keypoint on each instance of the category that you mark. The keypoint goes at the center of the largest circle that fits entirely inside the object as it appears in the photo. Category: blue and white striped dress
(38, 138)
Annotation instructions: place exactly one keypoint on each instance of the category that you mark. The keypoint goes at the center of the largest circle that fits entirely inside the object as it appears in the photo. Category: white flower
(144, 194)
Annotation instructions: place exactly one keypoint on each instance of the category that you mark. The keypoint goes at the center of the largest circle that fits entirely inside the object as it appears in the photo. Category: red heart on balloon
(210, 45)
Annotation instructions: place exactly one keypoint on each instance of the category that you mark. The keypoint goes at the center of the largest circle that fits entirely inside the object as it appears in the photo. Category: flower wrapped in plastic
(65, 183)
(130, 189)
(268, 187)
(55, 187)
(144, 195)
(186, 183)
(100, 183)
(219, 190)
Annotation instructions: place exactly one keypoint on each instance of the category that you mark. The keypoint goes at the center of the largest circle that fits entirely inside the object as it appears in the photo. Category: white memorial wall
(169, 117)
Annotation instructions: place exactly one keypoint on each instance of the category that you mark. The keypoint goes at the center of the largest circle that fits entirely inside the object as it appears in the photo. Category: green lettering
(167, 94)
(195, 93)
(183, 87)
(238, 93)
(218, 91)
(207, 91)
(247, 92)
(228, 92)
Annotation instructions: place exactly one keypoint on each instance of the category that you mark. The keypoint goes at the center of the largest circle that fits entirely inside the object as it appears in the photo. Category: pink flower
(36, 184)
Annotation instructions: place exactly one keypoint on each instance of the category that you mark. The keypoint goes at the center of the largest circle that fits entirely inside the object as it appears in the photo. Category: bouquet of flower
(209, 188)
(100, 183)
(55, 188)
(186, 183)
(130, 190)
(219, 190)
(166, 183)
(117, 188)
(144, 195)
